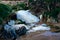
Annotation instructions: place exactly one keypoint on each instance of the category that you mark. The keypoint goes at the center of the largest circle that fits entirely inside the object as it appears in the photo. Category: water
(27, 17)
(39, 27)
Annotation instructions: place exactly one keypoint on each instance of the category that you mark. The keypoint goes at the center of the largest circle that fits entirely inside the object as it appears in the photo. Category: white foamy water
(17, 26)
(39, 27)
(26, 16)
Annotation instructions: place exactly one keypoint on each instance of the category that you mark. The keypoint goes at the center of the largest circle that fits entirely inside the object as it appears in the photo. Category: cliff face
(13, 0)
(10, 2)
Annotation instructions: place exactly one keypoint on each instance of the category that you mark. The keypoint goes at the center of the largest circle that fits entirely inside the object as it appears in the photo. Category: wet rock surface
(41, 35)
